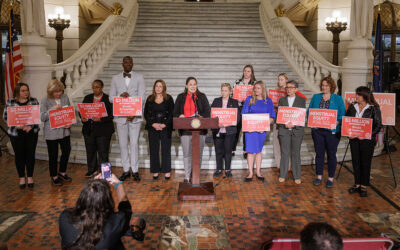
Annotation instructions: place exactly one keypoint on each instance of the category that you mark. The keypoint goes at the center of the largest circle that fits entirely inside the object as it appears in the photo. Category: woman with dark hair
(362, 150)
(97, 131)
(224, 136)
(92, 223)
(158, 112)
(258, 103)
(56, 99)
(248, 78)
(191, 103)
(326, 139)
(23, 138)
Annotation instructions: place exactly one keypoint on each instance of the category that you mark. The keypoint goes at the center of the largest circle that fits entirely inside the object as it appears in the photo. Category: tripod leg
(341, 164)
(390, 157)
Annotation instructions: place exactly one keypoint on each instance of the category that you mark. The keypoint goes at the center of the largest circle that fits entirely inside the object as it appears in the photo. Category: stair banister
(300, 54)
(83, 66)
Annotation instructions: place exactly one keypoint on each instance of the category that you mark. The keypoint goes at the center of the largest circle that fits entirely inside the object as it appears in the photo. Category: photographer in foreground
(93, 223)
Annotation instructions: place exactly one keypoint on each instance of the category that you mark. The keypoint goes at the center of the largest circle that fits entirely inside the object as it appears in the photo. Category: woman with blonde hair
(258, 103)
(56, 99)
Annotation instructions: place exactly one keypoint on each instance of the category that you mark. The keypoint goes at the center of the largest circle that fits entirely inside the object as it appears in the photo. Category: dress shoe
(245, 155)
(136, 176)
(217, 173)
(90, 174)
(186, 181)
(363, 192)
(260, 178)
(329, 184)
(248, 179)
(30, 185)
(64, 177)
(281, 179)
(155, 177)
(22, 186)
(124, 176)
(167, 177)
(56, 181)
(228, 173)
(297, 181)
(354, 189)
(317, 181)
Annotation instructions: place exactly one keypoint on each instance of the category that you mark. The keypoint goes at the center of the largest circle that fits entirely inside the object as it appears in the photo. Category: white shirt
(291, 100)
(127, 79)
(358, 113)
(58, 101)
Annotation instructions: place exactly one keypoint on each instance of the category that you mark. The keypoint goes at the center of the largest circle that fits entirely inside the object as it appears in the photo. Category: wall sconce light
(336, 24)
(59, 22)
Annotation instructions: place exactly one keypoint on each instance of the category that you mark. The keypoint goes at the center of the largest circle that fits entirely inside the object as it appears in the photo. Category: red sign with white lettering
(62, 117)
(241, 92)
(92, 110)
(322, 118)
(23, 115)
(357, 127)
(226, 116)
(127, 106)
(275, 95)
(255, 122)
(297, 116)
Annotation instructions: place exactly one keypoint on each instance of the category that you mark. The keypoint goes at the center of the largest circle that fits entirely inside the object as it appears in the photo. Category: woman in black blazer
(191, 103)
(224, 137)
(158, 112)
(97, 132)
(362, 150)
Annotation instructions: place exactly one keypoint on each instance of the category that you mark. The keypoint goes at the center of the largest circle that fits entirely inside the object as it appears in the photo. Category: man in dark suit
(291, 136)
(97, 132)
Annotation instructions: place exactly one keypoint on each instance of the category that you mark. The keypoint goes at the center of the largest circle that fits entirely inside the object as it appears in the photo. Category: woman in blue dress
(258, 103)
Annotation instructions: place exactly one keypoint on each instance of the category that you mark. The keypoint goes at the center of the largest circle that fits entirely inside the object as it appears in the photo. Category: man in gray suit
(126, 84)
(291, 136)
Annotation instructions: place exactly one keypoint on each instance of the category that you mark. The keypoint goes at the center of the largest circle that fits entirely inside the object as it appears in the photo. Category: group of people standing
(159, 110)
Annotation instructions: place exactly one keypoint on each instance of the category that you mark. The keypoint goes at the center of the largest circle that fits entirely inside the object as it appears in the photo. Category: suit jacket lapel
(285, 101)
(122, 83)
(296, 102)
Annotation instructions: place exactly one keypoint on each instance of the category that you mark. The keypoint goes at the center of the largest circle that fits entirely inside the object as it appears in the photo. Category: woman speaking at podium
(191, 103)
(258, 103)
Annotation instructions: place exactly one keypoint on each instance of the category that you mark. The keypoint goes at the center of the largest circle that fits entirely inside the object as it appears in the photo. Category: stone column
(37, 63)
(357, 66)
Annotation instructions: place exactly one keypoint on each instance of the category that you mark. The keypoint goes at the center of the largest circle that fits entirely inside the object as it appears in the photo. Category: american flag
(13, 59)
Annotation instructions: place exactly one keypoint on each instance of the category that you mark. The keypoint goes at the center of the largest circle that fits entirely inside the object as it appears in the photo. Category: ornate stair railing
(82, 67)
(300, 54)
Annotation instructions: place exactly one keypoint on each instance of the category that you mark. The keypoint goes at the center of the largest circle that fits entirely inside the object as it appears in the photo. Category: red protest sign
(23, 115)
(322, 118)
(275, 95)
(92, 110)
(241, 92)
(127, 106)
(297, 116)
(226, 116)
(357, 127)
(62, 117)
(255, 122)
(387, 104)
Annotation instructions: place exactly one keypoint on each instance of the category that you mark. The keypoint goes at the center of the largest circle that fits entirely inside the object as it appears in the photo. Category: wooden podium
(196, 190)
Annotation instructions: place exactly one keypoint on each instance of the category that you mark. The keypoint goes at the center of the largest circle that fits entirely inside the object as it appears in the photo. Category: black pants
(155, 138)
(223, 149)
(361, 157)
(52, 149)
(24, 146)
(325, 141)
(97, 149)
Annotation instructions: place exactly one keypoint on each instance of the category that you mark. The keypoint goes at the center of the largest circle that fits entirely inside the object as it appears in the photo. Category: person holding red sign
(59, 136)
(258, 103)
(97, 131)
(191, 103)
(158, 113)
(224, 136)
(128, 84)
(23, 138)
(325, 139)
(281, 86)
(248, 78)
(362, 150)
(291, 136)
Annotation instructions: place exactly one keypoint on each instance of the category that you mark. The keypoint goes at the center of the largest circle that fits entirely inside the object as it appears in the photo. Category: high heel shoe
(261, 178)
(30, 185)
(248, 179)
(22, 186)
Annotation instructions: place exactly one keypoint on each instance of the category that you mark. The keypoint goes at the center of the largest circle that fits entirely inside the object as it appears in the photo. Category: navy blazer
(232, 103)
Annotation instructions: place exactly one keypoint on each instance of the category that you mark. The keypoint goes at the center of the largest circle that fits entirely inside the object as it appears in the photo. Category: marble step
(188, 38)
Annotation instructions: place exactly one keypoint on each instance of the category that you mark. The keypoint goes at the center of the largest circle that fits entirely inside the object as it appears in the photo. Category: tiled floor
(251, 212)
